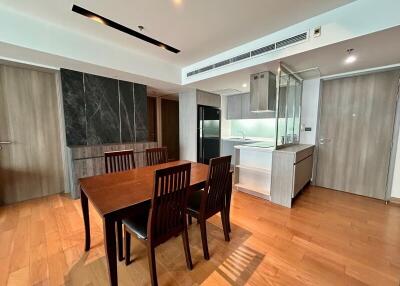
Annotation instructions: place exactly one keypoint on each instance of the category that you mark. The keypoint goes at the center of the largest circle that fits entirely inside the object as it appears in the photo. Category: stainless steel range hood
(262, 92)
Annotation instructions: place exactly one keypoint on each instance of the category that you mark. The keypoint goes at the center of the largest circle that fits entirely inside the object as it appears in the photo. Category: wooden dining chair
(166, 217)
(205, 203)
(118, 161)
(156, 156)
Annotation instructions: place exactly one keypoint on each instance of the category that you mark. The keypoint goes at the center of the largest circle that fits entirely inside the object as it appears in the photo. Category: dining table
(116, 196)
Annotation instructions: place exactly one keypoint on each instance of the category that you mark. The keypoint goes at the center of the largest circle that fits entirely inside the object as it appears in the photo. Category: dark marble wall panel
(102, 110)
(74, 107)
(127, 109)
(140, 92)
(141, 135)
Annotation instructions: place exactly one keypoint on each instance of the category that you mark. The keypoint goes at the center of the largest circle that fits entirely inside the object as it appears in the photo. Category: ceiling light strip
(112, 24)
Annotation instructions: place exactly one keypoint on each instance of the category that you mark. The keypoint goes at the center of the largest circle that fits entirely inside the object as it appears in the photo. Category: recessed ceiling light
(244, 85)
(177, 2)
(350, 58)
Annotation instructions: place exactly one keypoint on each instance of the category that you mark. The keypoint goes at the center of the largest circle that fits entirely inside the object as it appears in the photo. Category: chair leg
(228, 220)
(225, 224)
(203, 231)
(189, 219)
(152, 264)
(185, 239)
(120, 241)
(127, 248)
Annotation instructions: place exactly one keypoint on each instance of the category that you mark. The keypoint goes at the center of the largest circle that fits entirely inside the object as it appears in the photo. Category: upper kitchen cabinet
(246, 113)
(208, 99)
(234, 107)
(238, 107)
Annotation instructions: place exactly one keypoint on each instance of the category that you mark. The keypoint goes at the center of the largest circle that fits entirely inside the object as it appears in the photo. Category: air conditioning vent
(223, 63)
(291, 40)
(260, 51)
(207, 68)
(241, 57)
(263, 50)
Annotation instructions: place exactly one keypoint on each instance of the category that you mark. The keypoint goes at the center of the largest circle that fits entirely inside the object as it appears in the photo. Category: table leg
(111, 250)
(85, 212)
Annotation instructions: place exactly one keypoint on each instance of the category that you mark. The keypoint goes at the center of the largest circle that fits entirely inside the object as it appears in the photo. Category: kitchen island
(275, 175)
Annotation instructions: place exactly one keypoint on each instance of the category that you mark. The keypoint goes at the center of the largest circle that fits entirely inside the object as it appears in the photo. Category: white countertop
(248, 139)
(254, 148)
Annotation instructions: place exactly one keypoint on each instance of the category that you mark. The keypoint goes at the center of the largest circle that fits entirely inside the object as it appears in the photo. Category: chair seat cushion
(193, 204)
(138, 223)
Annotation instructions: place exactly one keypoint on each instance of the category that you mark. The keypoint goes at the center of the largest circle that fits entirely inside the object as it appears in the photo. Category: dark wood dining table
(115, 197)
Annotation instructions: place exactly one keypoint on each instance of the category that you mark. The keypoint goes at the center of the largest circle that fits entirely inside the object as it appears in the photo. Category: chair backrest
(117, 161)
(168, 206)
(156, 156)
(213, 198)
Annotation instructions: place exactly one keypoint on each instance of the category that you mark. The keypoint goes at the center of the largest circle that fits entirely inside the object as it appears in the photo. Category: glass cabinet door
(281, 108)
(288, 110)
(297, 112)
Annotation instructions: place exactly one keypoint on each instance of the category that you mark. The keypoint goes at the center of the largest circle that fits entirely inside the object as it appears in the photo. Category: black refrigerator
(208, 133)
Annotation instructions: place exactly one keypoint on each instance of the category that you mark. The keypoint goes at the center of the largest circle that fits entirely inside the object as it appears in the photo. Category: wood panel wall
(31, 166)
(152, 119)
(170, 127)
(357, 121)
(89, 160)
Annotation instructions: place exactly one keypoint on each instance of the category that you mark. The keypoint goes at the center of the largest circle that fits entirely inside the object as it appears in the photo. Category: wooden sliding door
(31, 164)
(355, 133)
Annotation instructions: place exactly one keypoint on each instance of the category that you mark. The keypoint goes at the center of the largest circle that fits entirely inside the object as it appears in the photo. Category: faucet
(243, 134)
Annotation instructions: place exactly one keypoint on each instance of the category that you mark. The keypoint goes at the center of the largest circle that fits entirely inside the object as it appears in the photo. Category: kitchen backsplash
(264, 128)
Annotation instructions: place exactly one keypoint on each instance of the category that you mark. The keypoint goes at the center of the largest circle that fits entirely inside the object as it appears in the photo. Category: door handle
(4, 143)
(322, 141)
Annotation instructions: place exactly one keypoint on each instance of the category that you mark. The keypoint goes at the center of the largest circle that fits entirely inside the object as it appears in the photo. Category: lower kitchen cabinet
(291, 171)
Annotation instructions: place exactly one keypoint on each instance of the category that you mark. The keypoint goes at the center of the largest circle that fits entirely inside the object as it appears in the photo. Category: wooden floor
(328, 238)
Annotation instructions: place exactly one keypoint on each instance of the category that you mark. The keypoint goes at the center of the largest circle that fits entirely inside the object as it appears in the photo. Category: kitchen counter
(277, 175)
(295, 148)
(264, 146)
(248, 139)
(229, 144)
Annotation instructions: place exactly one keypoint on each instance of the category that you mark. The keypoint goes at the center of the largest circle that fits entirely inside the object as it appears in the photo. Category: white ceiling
(198, 28)
(373, 50)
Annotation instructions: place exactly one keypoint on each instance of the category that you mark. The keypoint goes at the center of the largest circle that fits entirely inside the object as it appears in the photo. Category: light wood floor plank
(328, 238)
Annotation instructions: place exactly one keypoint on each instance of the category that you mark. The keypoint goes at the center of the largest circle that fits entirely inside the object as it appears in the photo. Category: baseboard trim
(395, 201)
(253, 193)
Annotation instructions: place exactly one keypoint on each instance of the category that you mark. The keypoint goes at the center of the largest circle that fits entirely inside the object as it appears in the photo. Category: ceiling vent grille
(263, 50)
(260, 51)
(292, 40)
